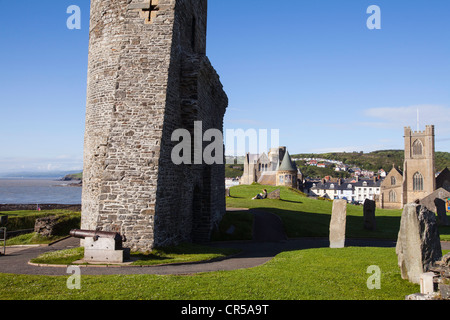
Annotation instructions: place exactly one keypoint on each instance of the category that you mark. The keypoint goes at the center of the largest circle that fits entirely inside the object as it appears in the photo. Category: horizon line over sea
(39, 191)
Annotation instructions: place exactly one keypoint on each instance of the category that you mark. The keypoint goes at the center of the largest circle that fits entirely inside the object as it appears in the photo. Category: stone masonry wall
(189, 208)
(146, 79)
(424, 164)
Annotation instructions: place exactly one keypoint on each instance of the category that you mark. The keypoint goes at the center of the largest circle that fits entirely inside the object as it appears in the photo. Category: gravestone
(338, 224)
(274, 195)
(418, 244)
(369, 215)
(427, 283)
(435, 284)
(430, 200)
(441, 211)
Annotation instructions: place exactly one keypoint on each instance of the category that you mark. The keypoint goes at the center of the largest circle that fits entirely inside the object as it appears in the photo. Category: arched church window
(418, 182)
(393, 181)
(417, 148)
(392, 196)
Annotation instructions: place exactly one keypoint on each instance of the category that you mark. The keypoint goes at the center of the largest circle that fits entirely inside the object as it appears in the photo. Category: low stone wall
(14, 207)
(15, 233)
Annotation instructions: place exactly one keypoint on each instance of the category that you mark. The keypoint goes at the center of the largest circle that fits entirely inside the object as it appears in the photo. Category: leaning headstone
(369, 215)
(441, 211)
(418, 244)
(430, 200)
(227, 192)
(275, 195)
(338, 224)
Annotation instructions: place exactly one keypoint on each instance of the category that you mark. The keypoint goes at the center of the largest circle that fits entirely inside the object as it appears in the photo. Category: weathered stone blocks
(338, 224)
(54, 225)
(418, 244)
(145, 80)
(274, 195)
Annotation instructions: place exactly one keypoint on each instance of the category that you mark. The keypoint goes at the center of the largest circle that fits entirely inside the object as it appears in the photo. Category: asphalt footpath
(269, 240)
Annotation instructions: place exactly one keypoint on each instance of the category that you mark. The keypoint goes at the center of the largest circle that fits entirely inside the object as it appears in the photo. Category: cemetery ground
(310, 274)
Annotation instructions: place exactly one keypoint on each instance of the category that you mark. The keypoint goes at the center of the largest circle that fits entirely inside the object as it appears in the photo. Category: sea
(39, 191)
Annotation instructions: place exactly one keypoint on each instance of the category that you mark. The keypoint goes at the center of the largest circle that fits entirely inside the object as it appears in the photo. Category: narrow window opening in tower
(193, 33)
(392, 196)
(393, 181)
(417, 148)
(418, 182)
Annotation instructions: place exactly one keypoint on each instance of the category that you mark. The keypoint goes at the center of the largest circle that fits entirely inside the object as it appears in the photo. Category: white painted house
(355, 190)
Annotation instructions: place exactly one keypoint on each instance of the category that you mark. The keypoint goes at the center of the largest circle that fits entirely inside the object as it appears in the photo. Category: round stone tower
(287, 172)
(148, 76)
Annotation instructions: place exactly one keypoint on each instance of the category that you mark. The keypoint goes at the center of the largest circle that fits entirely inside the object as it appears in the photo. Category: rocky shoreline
(16, 207)
(79, 184)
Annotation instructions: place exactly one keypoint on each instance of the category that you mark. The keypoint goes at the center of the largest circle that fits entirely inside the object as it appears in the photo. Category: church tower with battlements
(417, 180)
(419, 167)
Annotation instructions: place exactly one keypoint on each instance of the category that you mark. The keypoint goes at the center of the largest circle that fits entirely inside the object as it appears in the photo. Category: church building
(418, 178)
(274, 169)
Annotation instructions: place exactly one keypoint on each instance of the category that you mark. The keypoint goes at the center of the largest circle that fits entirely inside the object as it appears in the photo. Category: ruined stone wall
(147, 79)
(191, 200)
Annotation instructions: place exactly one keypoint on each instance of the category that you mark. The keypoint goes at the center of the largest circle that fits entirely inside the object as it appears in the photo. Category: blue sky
(311, 69)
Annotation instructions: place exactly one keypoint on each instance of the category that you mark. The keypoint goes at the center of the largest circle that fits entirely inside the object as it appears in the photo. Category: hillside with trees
(374, 161)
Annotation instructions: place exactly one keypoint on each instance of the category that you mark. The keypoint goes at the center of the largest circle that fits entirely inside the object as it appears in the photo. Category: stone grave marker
(441, 211)
(369, 215)
(418, 244)
(338, 224)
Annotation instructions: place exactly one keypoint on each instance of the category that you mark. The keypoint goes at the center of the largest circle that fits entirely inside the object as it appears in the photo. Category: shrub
(27, 221)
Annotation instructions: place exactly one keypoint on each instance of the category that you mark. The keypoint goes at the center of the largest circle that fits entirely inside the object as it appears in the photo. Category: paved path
(269, 240)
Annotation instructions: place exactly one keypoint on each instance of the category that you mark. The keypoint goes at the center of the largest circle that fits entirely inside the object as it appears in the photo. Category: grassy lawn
(61, 257)
(30, 239)
(307, 217)
(184, 253)
(25, 219)
(235, 225)
(316, 274)
(45, 213)
(313, 274)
